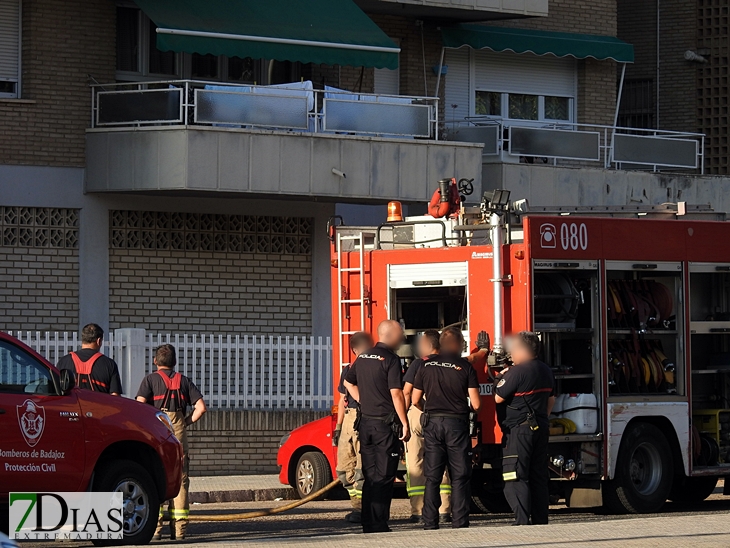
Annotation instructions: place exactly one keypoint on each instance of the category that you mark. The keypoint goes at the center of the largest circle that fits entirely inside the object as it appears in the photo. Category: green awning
(539, 42)
(331, 32)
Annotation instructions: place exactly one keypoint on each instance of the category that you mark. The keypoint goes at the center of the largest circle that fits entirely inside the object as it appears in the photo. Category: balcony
(565, 164)
(458, 10)
(289, 139)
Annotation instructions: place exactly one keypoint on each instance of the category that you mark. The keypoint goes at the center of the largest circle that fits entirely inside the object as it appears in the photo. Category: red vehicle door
(41, 432)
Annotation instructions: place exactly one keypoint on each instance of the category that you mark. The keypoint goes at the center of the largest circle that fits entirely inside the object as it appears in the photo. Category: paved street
(322, 524)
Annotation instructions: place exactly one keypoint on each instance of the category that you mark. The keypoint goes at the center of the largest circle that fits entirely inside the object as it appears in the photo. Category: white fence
(232, 371)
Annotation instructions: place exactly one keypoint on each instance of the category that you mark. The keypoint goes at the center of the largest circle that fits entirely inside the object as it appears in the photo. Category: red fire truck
(633, 308)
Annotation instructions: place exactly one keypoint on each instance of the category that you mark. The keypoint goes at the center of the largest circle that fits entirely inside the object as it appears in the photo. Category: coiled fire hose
(270, 511)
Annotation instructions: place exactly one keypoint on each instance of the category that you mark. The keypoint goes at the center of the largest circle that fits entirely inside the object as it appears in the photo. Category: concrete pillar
(132, 364)
(94, 263)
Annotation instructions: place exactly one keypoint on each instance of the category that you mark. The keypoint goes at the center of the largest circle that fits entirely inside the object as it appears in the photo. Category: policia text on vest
(172, 393)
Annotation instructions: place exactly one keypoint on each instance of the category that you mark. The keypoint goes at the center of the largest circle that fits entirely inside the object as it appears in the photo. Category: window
(637, 104)
(523, 106)
(20, 373)
(139, 59)
(10, 48)
(557, 108)
(488, 103)
(137, 53)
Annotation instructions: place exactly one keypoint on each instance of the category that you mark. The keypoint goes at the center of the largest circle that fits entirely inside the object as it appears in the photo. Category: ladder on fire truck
(345, 301)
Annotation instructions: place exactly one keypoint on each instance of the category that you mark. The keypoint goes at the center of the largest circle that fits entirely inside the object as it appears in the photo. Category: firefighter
(375, 381)
(92, 369)
(524, 396)
(172, 392)
(428, 347)
(450, 387)
(349, 466)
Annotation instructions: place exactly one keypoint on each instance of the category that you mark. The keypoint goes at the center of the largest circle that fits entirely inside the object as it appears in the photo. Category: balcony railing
(295, 107)
(583, 144)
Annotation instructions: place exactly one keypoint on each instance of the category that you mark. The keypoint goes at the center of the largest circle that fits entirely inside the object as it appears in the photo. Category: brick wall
(39, 289)
(242, 442)
(64, 42)
(39, 269)
(204, 292)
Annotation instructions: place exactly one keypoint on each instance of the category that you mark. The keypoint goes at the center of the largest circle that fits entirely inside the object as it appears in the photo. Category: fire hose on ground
(270, 511)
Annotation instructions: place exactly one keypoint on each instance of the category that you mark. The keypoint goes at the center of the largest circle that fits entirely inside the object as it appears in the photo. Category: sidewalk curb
(243, 495)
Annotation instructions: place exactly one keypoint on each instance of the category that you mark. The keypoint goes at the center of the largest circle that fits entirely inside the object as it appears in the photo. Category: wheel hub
(305, 477)
(645, 469)
(135, 506)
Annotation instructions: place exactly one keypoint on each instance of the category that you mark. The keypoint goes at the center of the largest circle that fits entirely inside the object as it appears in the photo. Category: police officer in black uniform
(449, 384)
(525, 398)
(375, 380)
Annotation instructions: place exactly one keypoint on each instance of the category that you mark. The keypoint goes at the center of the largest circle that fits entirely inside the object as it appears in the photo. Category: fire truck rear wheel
(312, 474)
(141, 502)
(644, 472)
(687, 489)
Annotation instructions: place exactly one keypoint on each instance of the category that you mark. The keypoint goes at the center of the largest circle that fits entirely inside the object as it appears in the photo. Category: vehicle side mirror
(68, 381)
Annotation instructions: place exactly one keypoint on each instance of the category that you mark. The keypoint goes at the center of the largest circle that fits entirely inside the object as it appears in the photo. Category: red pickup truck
(55, 437)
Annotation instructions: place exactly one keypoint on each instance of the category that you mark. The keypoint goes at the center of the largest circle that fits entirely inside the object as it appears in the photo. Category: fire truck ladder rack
(357, 239)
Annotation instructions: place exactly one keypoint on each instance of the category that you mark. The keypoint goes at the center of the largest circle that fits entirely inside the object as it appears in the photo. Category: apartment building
(173, 165)
(680, 77)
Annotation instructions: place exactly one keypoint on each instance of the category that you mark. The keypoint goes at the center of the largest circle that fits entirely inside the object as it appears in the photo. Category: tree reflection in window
(488, 103)
(522, 106)
(557, 108)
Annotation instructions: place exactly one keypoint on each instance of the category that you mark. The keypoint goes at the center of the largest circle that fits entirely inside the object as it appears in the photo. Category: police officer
(92, 369)
(428, 348)
(451, 389)
(349, 466)
(172, 392)
(375, 381)
(524, 396)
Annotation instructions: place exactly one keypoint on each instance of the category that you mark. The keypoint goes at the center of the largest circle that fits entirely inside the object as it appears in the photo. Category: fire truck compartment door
(403, 276)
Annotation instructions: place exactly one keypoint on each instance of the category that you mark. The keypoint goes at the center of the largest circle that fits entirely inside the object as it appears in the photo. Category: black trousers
(526, 474)
(380, 450)
(447, 445)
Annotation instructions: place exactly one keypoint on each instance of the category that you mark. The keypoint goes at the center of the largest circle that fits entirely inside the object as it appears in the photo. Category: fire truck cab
(633, 308)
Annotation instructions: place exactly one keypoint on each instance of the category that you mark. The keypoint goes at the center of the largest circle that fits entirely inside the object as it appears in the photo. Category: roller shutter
(9, 44)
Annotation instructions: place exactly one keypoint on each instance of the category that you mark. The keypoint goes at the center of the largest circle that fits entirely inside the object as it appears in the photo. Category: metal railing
(561, 142)
(295, 107)
(232, 371)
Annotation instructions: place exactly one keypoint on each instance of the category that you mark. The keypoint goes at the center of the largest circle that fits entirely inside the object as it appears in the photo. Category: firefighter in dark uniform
(451, 389)
(92, 369)
(375, 381)
(524, 396)
(172, 393)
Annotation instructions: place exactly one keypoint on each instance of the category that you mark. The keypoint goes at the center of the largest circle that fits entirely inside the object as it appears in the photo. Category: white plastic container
(582, 409)
(558, 407)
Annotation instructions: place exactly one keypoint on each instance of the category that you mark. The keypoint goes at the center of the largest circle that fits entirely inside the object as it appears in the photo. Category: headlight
(164, 419)
(284, 439)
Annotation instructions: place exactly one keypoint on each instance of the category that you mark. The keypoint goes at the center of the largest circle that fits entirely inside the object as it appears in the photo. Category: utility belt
(390, 419)
(427, 416)
(530, 419)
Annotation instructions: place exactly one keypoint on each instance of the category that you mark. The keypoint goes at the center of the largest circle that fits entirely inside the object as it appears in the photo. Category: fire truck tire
(644, 472)
(312, 474)
(686, 489)
(138, 487)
